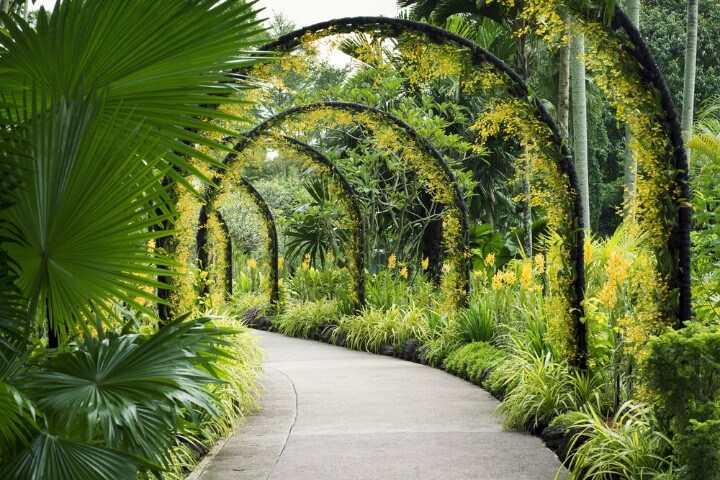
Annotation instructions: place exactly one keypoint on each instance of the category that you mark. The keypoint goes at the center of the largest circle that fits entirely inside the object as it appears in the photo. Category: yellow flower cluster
(392, 261)
(251, 263)
(404, 272)
(306, 262)
(540, 263)
(489, 260)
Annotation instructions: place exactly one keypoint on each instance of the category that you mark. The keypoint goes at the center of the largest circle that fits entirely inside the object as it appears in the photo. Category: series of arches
(677, 192)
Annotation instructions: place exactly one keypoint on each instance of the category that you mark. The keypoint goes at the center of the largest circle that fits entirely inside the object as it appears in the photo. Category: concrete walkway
(334, 413)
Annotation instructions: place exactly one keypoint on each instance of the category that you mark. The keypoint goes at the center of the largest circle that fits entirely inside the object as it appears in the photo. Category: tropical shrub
(100, 112)
(472, 361)
(627, 446)
(373, 328)
(683, 373)
(303, 319)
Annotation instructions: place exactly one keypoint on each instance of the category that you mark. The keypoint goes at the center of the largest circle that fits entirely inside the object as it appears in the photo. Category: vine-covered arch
(677, 210)
(575, 230)
(349, 197)
(271, 232)
(461, 244)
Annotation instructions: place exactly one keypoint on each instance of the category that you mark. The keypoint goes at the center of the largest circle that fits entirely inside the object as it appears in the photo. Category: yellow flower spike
(587, 250)
(497, 281)
(404, 272)
(306, 262)
(526, 276)
(540, 263)
(281, 262)
(489, 260)
(425, 263)
(251, 263)
(392, 261)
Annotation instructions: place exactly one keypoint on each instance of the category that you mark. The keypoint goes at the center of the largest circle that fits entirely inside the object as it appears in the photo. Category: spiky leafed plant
(98, 104)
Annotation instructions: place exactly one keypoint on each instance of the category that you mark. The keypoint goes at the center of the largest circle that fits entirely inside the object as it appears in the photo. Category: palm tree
(689, 72)
(633, 11)
(99, 104)
(579, 119)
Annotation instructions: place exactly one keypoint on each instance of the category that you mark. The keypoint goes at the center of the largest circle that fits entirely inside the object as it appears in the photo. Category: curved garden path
(333, 413)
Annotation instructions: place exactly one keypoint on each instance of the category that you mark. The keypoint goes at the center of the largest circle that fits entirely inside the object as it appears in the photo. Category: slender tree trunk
(563, 106)
(522, 68)
(579, 119)
(633, 11)
(690, 58)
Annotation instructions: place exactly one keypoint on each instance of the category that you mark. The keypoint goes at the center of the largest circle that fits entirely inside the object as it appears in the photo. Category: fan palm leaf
(162, 64)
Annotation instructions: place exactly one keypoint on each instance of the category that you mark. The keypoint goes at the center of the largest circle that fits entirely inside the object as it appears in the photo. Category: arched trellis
(678, 192)
(268, 220)
(422, 143)
(395, 27)
(350, 196)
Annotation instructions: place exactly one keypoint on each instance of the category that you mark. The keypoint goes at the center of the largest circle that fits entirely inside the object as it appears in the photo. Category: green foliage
(683, 371)
(117, 401)
(663, 24)
(476, 323)
(314, 227)
(101, 105)
(627, 446)
(311, 285)
(472, 361)
(544, 388)
(374, 328)
(303, 319)
(568, 419)
(384, 290)
(705, 163)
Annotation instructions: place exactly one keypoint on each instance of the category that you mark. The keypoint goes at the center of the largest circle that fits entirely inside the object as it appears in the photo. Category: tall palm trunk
(690, 59)
(522, 68)
(633, 11)
(579, 119)
(563, 105)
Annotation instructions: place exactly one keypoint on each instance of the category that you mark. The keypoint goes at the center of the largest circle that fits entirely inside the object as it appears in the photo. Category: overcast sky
(307, 12)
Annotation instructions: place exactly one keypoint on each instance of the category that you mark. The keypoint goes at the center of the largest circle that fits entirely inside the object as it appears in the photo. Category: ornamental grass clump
(303, 319)
(374, 328)
(628, 445)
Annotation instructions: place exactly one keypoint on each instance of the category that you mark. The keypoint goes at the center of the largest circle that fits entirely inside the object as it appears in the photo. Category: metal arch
(422, 142)
(260, 202)
(265, 211)
(679, 241)
(359, 255)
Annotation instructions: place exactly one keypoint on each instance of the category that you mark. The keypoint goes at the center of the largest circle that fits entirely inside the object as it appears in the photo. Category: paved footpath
(333, 413)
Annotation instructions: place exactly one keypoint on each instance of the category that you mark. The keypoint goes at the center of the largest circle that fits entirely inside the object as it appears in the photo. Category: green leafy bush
(312, 285)
(303, 319)
(476, 323)
(627, 446)
(472, 361)
(374, 328)
(683, 371)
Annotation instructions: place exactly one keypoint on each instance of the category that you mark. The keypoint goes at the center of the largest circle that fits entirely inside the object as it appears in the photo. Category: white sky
(307, 12)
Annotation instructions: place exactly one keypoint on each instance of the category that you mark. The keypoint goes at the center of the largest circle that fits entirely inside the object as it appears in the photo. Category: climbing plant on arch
(347, 194)
(636, 81)
(419, 155)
